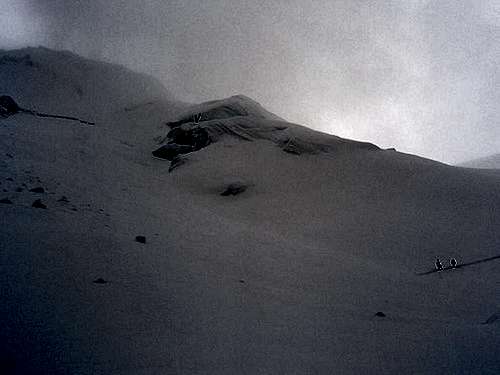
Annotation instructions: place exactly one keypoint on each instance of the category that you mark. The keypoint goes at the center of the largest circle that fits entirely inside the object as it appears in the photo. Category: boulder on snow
(140, 239)
(234, 189)
(38, 204)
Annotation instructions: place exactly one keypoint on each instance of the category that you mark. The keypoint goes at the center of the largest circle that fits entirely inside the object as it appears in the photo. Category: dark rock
(74, 209)
(38, 190)
(140, 239)
(9, 179)
(242, 281)
(63, 199)
(380, 314)
(9, 156)
(171, 150)
(183, 139)
(6, 201)
(8, 106)
(100, 280)
(194, 136)
(38, 204)
(234, 189)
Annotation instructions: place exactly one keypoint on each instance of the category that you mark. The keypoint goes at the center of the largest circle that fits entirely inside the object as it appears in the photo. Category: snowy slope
(488, 162)
(283, 278)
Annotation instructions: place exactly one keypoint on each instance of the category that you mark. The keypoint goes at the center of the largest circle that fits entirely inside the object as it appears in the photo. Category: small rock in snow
(140, 239)
(38, 204)
(234, 189)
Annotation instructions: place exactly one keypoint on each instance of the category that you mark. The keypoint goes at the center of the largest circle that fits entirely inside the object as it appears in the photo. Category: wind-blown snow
(285, 277)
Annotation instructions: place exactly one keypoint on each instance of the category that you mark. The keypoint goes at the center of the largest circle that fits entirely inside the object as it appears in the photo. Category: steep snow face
(245, 259)
(489, 162)
(50, 81)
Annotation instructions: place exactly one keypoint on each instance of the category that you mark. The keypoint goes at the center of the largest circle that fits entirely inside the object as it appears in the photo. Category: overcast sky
(422, 76)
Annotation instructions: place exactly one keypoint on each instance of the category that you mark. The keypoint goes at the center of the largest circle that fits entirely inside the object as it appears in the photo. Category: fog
(417, 75)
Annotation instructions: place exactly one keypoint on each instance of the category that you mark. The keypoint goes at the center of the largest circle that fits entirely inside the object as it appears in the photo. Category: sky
(422, 76)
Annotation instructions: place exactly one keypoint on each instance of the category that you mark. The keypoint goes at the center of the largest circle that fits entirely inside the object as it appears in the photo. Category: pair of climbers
(439, 265)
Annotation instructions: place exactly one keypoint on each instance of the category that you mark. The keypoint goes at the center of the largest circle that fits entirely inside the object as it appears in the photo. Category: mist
(417, 75)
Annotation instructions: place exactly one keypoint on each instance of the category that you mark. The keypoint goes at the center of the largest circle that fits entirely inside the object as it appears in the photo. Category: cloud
(418, 75)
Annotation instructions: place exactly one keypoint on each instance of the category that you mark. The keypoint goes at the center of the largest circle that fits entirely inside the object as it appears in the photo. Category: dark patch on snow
(140, 239)
(38, 190)
(234, 189)
(9, 179)
(100, 280)
(380, 314)
(5, 201)
(38, 204)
